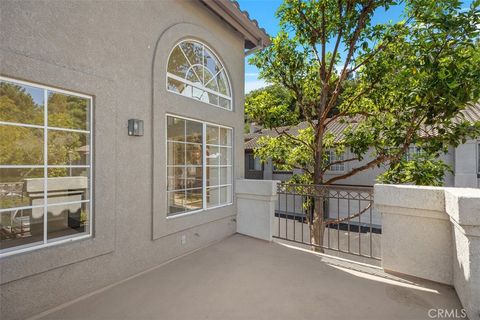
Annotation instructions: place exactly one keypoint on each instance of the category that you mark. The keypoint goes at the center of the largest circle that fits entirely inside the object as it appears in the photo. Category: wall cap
(463, 205)
(256, 187)
(412, 200)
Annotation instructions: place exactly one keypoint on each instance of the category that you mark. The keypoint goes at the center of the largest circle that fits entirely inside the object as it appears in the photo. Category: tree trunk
(317, 222)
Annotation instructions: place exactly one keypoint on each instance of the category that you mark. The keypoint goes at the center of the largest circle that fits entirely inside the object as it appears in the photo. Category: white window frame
(330, 168)
(204, 166)
(412, 151)
(56, 241)
(201, 87)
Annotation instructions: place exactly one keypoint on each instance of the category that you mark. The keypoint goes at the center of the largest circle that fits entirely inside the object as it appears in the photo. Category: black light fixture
(135, 127)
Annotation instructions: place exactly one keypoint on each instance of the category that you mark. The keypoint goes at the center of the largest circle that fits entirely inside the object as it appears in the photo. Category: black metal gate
(350, 223)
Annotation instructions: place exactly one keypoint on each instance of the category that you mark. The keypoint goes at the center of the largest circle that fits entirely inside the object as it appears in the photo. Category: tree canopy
(394, 84)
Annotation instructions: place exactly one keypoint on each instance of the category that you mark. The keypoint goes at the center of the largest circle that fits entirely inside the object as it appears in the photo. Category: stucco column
(463, 208)
(416, 231)
(256, 207)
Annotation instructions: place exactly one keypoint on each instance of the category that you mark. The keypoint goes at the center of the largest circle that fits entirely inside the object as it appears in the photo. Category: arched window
(195, 71)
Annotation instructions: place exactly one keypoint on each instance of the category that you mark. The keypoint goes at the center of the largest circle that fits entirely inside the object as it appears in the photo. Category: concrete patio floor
(245, 278)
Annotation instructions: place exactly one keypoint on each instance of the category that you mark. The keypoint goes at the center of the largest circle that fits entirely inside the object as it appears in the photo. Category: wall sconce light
(135, 127)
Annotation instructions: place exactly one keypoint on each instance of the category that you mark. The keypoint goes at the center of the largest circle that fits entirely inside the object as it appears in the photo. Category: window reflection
(176, 154)
(25, 169)
(13, 186)
(68, 185)
(213, 197)
(194, 71)
(20, 227)
(66, 111)
(67, 148)
(176, 202)
(184, 165)
(194, 131)
(67, 220)
(212, 176)
(186, 171)
(21, 145)
(194, 154)
(194, 200)
(219, 165)
(213, 135)
(21, 103)
(194, 177)
(175, 129)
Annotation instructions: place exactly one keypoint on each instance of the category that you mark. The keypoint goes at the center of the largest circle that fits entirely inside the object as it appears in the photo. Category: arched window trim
(196, 85)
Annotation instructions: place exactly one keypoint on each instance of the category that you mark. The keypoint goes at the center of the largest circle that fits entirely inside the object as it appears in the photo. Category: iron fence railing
(333, 217)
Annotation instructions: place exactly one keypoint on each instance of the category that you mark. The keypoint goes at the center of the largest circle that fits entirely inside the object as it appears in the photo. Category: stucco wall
(433, 233)
(116, 51)
(256, 207)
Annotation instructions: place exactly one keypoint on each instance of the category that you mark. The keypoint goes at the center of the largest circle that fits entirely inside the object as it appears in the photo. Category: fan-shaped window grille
(195, 71)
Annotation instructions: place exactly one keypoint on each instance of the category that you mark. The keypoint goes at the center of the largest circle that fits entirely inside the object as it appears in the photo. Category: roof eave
(256, 38)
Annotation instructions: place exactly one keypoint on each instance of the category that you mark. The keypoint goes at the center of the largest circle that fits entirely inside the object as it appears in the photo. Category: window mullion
(203, 64)
(45, 162)
(191, 65)
(201, 87)
(215, 76)
(185, 175)
(204, 165)
(218, 166)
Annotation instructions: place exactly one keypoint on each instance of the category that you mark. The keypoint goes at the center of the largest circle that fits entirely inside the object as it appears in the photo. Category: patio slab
(245, 278)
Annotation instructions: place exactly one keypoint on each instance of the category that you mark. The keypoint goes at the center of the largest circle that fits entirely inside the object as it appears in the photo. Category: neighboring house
(464, 159)
(86, 201)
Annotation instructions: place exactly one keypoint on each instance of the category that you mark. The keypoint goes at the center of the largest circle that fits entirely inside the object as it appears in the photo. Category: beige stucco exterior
(116, 51)
(433, 233)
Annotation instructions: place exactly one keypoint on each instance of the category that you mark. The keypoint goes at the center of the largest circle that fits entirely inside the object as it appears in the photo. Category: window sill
(43, 246)
(186, 214)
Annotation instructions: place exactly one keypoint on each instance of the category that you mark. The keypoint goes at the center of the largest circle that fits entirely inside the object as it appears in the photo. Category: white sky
(252, 82)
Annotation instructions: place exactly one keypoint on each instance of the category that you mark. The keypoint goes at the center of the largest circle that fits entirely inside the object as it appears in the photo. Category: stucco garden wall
(106, 49)
(433, 233)
(256, 200)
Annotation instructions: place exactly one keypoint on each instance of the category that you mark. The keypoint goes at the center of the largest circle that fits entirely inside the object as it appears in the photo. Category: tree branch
(354, 171)
(383, 158)
(339, 162)
(324, 44)
(285, 133)
(367, 9)
(337, 42)
(293, 166)
(337, 221)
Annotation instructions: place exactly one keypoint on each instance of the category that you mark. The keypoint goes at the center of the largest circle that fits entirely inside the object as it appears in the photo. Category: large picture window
(195, 71)
(199, 165)
(45, 166)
